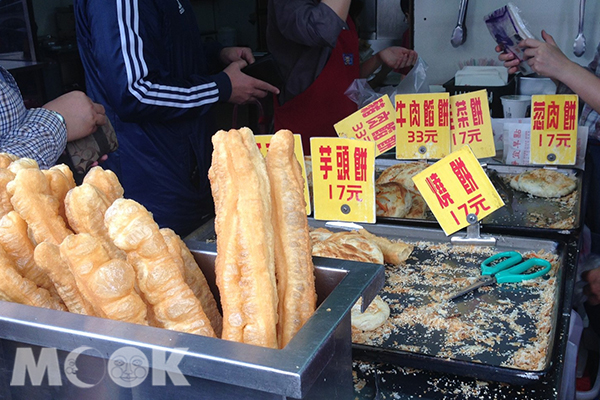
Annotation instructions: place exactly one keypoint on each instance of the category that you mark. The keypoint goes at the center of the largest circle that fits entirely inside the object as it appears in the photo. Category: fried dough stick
(224, 189)
(5, 204)
(15, 288)
(245, 264)
(47, 257)
(132, 229)
(293, 258)
(194, 278)
(32, 199)
(106, 181)
(60, 178)
(18, 247)
(6, 159)
(85, 206)
(108, 284)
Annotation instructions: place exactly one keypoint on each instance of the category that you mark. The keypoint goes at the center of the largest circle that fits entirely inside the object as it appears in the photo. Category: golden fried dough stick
(15, 288)
(5, 204)
(247, 272)
(22, 163)
(106, 181)
(6, 159)
(85, 206)
(108, 284)
(293, 257)
(18, 247)
(393, 252)
(132, 228)
(47, 257)
(32, 199)
(60, 182)
(194, 278)
(228, 275)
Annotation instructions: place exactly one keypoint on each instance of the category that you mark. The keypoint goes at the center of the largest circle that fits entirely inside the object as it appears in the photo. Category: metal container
(316, 363)
(523, 214)
(530, 85)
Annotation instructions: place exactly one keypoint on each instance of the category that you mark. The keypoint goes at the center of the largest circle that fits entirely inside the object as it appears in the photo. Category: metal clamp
(473, 236)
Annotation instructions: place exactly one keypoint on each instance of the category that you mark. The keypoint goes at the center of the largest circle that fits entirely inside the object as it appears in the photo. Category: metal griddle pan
(526, 214)
(426, 349)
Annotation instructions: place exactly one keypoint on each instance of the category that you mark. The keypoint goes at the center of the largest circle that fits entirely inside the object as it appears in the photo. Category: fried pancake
(392, 199)
(543, 183)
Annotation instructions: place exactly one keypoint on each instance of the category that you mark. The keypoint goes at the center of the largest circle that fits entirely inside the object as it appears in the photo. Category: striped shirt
(36, 133)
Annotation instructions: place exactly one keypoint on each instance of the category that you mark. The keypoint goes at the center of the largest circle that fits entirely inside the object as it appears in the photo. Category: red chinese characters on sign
(547, 117)
(443, 112)
(467, 133)
(325, 161)
(372, 108)
(343, 163)
(464, 176)
(383, 131)
(422, 114)
(360, 165)
(437, 187)
(387, 143)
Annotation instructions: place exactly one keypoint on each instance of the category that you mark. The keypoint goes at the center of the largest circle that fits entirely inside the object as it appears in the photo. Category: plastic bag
(415, 81)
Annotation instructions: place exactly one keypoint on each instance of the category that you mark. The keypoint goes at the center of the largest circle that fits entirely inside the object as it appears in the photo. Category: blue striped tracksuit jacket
(145, 62)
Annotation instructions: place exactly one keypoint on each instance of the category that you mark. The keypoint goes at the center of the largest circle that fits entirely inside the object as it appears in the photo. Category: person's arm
(546, 59)
(126, 47)
(391, 58)
(340, 7)
(37, 133)
(310, 24)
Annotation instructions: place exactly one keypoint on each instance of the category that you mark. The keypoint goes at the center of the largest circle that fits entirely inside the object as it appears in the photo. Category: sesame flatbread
(392, 199)
(543, 183)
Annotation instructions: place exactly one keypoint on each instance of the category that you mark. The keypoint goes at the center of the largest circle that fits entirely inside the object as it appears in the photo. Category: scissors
(510, 269)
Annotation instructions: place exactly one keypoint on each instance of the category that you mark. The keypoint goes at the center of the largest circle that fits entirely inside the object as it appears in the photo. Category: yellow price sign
(343, 179)
(263, 141)
(554, 129)
(422, 126)
(372, 123)
(457, 190)
(471, 124)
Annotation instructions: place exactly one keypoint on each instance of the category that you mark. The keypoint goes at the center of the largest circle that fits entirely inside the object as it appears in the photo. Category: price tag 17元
(343, 179)
(263, 141)
(457, 190)
(422, 126)
(554, 129)
(372, 123)
(471, 124)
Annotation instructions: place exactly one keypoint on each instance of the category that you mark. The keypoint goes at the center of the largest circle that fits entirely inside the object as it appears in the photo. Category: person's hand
(545, 57)
(592, 289)
(511, 62)
(231, 54)
(244, 88)
(397, 57)
(81, 114)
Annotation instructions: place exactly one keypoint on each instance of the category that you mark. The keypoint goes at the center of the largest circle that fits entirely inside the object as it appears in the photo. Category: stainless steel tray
(435, 268)
(317, 361)
(526, 214)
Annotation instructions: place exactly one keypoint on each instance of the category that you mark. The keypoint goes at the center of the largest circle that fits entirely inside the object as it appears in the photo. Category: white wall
(435, 20)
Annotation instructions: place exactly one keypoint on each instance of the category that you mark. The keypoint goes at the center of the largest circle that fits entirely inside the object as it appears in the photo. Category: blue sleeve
(122, 48)
(307, 23)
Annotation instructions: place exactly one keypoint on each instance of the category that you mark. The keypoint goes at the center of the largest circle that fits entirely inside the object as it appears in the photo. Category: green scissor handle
(512, 258)
(511, 269)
